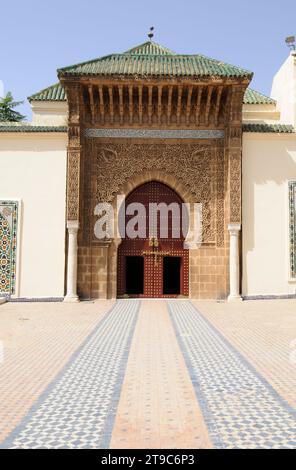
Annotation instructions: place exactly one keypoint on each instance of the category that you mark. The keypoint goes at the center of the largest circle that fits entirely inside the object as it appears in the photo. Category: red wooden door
(146, 277)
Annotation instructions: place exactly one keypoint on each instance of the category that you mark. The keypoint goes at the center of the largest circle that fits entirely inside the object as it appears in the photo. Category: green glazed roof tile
(22, 127)
(254, 97)
(247, 127)
(150, 48)
(52, 93)
(263, 127)
(151, 59)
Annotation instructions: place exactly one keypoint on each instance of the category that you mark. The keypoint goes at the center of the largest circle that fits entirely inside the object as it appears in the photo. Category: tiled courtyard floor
(148, 374)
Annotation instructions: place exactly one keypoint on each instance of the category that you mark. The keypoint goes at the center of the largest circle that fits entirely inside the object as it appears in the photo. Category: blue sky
(37, 37)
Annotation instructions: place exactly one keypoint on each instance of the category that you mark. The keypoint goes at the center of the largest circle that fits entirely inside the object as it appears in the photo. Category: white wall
(49, 113)
(261, 113)
(284, 90)
(33, 169)
(269, 162)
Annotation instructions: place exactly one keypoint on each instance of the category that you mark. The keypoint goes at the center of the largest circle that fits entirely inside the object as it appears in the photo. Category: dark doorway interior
(171, 275)
(134, 275)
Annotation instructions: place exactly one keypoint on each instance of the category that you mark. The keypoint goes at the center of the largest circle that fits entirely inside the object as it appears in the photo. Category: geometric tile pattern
(8, 235)
(240, 407)
(198, 390)
(157, 407)
(292, 227)
(264, 332)
(78, 409)
(38, 339)
(156, 133)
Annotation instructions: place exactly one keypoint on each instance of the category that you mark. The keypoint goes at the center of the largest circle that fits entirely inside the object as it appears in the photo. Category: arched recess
(169, 179)
(182, 190)
(159, 266)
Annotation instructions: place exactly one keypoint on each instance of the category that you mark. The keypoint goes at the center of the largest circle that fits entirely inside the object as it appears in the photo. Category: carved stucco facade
(197, 171)
(207, 170)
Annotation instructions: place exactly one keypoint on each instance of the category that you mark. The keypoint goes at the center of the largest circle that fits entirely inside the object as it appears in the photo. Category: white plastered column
(234, 267)
(71, 296)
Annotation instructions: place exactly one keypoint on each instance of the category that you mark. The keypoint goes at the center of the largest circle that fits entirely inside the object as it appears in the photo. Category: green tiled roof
(254, 97)
(274, 128)
(52, 93)
(151, 59)
(247, 127)
(22, 127)
(150, 48)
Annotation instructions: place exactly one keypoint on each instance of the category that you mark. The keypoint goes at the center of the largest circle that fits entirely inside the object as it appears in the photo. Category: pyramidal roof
(150, 48)
(153, 60)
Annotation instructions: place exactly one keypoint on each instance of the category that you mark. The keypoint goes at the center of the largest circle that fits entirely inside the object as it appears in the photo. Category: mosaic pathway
(78, 409)
(265, 334)
(150, 374)
(37, 340)
(240, 407)
(157, 407)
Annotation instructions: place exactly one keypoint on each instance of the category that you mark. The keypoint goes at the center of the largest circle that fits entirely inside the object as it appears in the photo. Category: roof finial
(151, 34)
(290, 41)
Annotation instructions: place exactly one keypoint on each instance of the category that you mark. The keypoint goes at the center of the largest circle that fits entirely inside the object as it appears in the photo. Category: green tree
(7, 105)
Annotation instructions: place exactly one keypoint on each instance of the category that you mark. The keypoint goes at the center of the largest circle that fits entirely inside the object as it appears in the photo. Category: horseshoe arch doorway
(154, 266)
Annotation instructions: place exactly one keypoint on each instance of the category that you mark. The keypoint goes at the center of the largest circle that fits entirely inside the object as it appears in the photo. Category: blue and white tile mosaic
(240, 407)
(8, 245)
(156, 133)
(78, 409)
(292, 227)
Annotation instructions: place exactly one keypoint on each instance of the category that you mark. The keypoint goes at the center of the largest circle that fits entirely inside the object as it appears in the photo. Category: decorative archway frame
(153, 175)
(195, 170)
(125, 189)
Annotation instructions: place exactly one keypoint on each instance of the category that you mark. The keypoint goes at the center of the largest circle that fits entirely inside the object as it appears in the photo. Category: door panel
(154, 268)
(149, 277)
(134, 275)
(171, 275)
